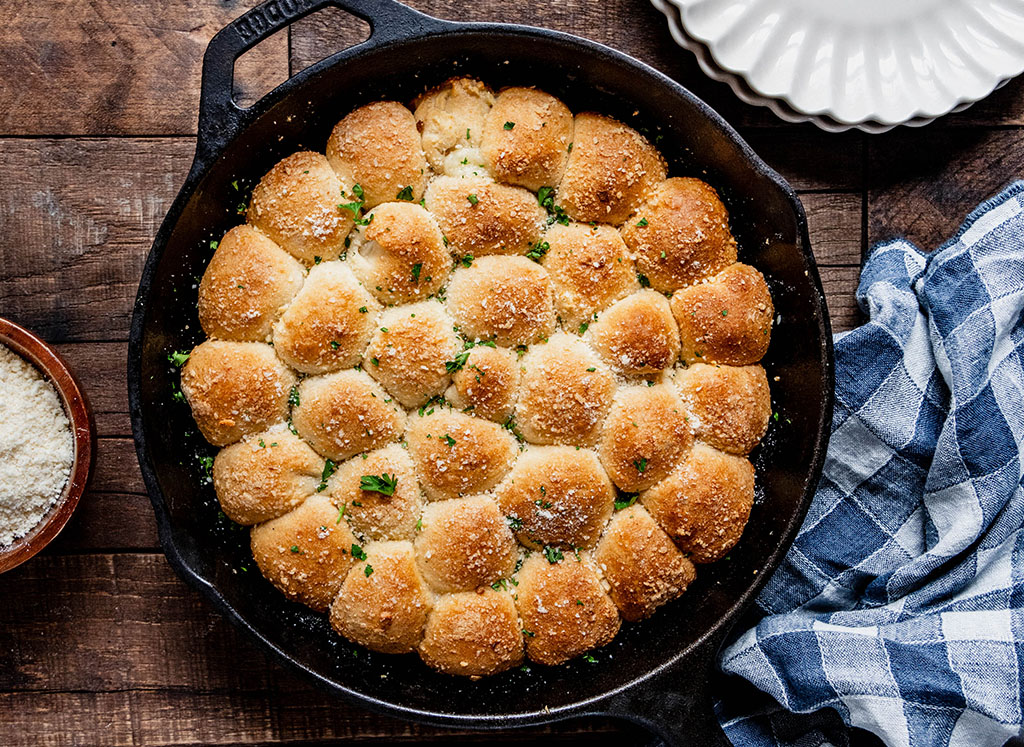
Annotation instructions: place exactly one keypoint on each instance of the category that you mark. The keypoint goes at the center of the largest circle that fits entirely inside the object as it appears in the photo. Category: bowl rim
(57, 372)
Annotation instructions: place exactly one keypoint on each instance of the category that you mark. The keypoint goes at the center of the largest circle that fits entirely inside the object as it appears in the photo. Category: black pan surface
(654, 672)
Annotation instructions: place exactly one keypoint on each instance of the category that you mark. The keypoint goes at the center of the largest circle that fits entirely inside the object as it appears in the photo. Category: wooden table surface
(100, 643)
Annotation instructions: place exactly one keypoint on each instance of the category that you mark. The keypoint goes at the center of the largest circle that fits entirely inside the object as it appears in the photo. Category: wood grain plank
(79, 216)
(184, 719)
(922, 184)
(90, 630)
(101, 370)
(834, 221)
(109, 522)
(811, 159)
(117, 67)
(840, 284)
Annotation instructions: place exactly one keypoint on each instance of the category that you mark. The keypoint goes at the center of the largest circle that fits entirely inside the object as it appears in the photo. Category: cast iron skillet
(655, 672)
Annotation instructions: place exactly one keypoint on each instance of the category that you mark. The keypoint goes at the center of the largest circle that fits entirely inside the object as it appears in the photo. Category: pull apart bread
(485, 377)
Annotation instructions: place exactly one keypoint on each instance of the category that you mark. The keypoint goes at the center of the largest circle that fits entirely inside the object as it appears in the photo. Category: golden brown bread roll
(305, 553)
(265, 475)
(645, 436)
(465, 544)
(473, 634)
(526, 138)
(728, 406)
(642, 565)
(564, 609)
(384, 602)
(378, 147)
(400, 255)
(409, 352)
(296, 205)
(245, 285)
(637, 336)
(371, 514)
(328, 325)
(557, 496)
(680, 234)
(457, 455)
(727, 319)
(705, 503)
(590, 269)
(487, 384)
(480, 217)
(344, 413)
(565, 393)
(505, 299)
(235, 389)
(611, 169)
(450, 119)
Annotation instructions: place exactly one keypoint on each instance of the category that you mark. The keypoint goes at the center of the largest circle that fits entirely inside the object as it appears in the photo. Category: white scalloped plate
(873, 65)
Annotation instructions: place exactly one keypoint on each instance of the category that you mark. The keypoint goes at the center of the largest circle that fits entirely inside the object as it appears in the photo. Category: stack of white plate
(869, 64)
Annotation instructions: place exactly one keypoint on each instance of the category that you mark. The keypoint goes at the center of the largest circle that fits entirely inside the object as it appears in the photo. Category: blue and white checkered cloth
(901, 603)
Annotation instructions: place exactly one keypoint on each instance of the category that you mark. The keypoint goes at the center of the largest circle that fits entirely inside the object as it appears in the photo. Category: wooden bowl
(43, 357)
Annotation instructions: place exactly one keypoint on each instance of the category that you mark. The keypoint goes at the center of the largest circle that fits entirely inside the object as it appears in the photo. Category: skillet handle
(676, 704)
(220, 118)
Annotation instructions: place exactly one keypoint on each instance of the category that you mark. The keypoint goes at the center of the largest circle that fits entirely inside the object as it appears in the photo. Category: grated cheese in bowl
(36, 447)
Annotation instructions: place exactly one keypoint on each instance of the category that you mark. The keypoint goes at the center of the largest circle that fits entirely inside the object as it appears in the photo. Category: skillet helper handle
(676, 703)
(220, 118)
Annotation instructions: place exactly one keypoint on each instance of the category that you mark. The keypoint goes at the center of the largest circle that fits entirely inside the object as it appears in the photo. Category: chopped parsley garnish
(419, 524)
(642, 279)
(641, 465)
(335, 344)
(329, 467)
(538, 250)
(416, 270)
(358, 192)
(368, 570)
(317, 259)
(628, 500)
(293, 396)
(510, 426)
(584, 326)
(214, 245)
(448, 440)
(473, 199)
(725, 312)
(341, 513)
(546, 199)
(553, 554)
(467, 260)
(467, 133)
(358, 553)
(352, 207)
(514, 523)
(591, 369)
(206, 464)
(295, 549)
(589, 659)
(528, 633)
(458, 363)
(384, 484)
(642, 223)
(509, 125)
(405, 193)
(178, 358)
(362, 309)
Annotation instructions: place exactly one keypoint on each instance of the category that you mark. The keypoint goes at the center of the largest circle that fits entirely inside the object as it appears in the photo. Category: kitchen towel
(901, 602)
